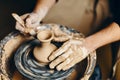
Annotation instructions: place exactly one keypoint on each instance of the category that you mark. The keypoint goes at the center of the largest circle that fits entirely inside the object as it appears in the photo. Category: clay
(43, 51)
(22, 23)
(18, 19)
(8, 50)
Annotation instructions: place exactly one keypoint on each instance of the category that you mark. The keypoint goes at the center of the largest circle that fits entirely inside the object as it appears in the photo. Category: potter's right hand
(70, 53)
(62, 36)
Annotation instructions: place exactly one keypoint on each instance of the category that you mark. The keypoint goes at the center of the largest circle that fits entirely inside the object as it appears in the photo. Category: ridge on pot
(42, 51)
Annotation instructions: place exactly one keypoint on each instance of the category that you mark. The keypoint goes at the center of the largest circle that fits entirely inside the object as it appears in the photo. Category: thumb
(61, 38)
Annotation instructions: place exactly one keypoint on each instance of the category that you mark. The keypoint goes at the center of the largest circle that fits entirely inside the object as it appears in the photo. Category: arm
(43, 6)
(103, 37)
(33, 19)
(44, 3)
(74, 51)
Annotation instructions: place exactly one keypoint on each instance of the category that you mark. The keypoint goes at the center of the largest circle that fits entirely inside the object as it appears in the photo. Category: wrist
(90, 44)
(107, 35)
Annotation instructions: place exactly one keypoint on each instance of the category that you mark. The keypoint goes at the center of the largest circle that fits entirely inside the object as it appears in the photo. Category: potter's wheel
(29, 67)
(16, 43)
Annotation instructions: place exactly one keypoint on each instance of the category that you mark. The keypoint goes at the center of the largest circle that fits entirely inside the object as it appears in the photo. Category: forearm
(43, 6)
(103, 37)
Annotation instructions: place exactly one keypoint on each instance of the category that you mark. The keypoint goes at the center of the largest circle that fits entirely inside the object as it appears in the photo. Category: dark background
(7, 22)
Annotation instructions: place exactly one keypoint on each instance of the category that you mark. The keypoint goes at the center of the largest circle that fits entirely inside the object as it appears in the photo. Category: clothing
(74, 13)
(79, 14)
(85, 16)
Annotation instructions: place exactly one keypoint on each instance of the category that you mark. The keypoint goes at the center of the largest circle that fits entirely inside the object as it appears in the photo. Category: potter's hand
(71, 52)
(33, 19)
(30, 22)
(60, 35)
(20, 22)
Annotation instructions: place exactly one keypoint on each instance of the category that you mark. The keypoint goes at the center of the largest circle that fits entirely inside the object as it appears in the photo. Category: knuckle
(61, 57)
(55, 62)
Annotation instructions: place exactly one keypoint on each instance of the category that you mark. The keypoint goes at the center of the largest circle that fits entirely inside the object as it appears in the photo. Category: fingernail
(51, 58)
(51, 66)
(63, 69)
(58, 68)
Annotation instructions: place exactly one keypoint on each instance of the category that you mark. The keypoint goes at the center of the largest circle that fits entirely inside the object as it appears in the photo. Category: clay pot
(43, 51)
(20, 48)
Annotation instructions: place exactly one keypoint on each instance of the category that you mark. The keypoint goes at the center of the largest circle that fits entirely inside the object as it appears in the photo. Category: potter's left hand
(59, 34)
(71, 53)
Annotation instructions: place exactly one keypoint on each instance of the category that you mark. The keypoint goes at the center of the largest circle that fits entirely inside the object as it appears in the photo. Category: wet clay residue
(7, 48)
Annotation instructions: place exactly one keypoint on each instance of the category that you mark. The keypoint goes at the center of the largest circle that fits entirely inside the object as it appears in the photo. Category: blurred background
(7, 22)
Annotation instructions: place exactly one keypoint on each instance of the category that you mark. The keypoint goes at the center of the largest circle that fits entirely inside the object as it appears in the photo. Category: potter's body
(81, 17)
(85, 16)
(78, 14)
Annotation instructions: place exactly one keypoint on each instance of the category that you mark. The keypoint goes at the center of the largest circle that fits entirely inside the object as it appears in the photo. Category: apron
(87, 17)
(82, 15)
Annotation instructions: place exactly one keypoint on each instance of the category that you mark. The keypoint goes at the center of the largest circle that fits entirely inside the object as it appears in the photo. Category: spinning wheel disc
(29, 67)
(11, 43)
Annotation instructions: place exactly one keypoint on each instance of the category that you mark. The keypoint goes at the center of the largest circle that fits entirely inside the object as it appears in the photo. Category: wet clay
(43, 51)
(13, 43)
(7, 48)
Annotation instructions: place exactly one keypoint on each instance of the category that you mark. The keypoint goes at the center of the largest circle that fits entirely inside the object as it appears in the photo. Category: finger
(60, 58)
(24, 16)
(61, 50)
(19, 27)
(56, 62)
(61, 39)
(60, 35)
(58, 31)
(28, 22)
(66, 62)
(73, 58)
(67, 53)
(18, 19)
(68, 66)
(76, 60)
